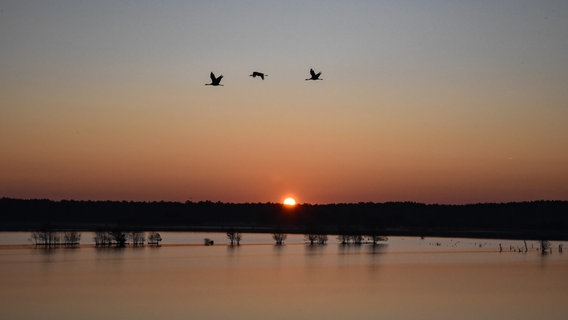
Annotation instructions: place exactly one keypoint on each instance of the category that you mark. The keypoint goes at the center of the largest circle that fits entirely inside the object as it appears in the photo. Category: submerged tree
(311, 238)
(137, 238)
(322, 238)
(545, 246)
(154, 239)
(38, 238)
(279, 238)
(46, 238)
(119, 238)
(102, 239)
(235, 237)
(375, 238)
(71, 239)
(357, 239)
(114, 238)
(344, 239)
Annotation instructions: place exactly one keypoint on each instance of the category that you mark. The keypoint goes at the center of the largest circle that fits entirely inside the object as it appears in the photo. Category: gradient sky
(428, 101)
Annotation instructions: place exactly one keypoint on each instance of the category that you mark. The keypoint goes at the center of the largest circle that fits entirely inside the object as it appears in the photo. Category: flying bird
(315, 76)
(258, 74)
(215, 81)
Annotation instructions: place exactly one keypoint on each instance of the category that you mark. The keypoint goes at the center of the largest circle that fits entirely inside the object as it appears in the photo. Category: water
(409, 278)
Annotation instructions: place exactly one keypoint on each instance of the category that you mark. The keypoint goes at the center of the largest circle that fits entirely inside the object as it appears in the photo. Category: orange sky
(442, 103)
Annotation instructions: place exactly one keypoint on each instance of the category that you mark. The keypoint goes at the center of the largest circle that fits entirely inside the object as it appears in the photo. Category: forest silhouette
(516, 220)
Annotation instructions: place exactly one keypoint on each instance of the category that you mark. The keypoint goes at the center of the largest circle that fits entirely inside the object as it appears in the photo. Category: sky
(429, 101)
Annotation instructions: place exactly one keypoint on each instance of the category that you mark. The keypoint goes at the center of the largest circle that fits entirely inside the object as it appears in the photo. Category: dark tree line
(520, 220)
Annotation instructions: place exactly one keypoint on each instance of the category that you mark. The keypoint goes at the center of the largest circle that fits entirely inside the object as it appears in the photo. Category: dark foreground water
(409, 278)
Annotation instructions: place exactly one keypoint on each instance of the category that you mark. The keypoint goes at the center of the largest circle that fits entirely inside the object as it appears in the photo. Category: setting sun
(290, 201)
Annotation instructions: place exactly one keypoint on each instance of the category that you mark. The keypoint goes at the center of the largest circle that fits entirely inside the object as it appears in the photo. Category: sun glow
(290, 201)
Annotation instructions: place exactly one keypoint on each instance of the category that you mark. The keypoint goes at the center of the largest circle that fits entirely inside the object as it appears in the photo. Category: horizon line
(280, 203)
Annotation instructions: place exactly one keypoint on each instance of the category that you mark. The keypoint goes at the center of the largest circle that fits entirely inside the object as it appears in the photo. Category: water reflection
(315, 255)
(349, 248)
(377, 248)
(114, 255)
(278, 248)
(313, 249)
(279, 252)
(294, 281)
(231, 248)
(47, 256)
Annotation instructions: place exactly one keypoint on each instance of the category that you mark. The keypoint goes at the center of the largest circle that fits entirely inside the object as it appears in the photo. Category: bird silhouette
(215, 81)
(258, 74)
(315, 76)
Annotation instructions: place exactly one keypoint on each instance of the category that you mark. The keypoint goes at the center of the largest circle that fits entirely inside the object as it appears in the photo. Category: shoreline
(535, 220)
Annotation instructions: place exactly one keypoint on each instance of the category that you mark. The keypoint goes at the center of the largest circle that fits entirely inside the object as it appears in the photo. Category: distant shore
(535, 220)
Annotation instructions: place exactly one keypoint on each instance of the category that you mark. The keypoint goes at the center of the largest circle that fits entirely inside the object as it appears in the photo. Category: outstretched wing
(318, 74)
(212, 77)
(261, 75)
(313, 73)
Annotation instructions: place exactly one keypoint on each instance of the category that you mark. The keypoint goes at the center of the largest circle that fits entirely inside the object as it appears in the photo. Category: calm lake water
(408, 278)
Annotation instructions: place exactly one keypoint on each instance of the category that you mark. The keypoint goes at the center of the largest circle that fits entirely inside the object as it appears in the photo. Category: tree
(154, 239)
(345, 238)
(544, 246)
(46, 238)
(357, 239)
(312, 238)
(322, 238)
(119, 238)
(374, 238)
(137, 238)
(71, 239)
(110, 238)
(234, 237)
(316, 238)
(102, 239)
(38, 238)
(279, 238)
